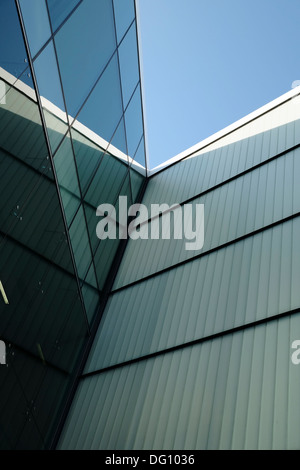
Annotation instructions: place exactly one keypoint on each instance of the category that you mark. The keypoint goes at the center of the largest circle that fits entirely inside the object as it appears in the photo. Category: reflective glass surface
(80, 244)
(107, 249)
(106, 182)
(13, 57)
(84, 45)
(67, 179)
(52, 264)
(118, 144)
(139, 156)
(44, 325)
(103, 110)
(134, 122)
(129, 65)
(48, 82)
(88, 157)
(137, 180)
(35, 17)
(46, 73)
(59, 10)
(124, 15)
(90, 295)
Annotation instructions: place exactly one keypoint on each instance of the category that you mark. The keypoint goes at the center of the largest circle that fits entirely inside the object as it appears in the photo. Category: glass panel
(136, 183)
(134, 122)
(91, 300)
(107, 182)
(107, 249)
(13, 56)
(44, 322)
(90, 32)
(139, 162)
(56, 128)
(118, 146)
(19, 119)
(90, 293)
(104, 257)
(92, 220)
(129, 65)
(36, 22)
(46, 72)
(67, 179)
(124, 14)
(51, 95)
(88, 157)
(103, 110)
(59, 9)
(80, 244)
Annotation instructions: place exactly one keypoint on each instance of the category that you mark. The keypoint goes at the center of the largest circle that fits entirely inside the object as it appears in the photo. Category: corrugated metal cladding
(237, 300)
(250, 202)
(240, 391)
(256, 278)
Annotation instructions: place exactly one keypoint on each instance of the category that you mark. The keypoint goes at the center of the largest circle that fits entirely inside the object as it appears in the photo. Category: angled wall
(194, 348)
(71, 137)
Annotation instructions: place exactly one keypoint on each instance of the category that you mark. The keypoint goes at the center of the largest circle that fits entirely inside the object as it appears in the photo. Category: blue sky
(208, 63)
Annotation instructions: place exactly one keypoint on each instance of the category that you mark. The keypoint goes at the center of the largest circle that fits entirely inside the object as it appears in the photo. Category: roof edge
(227, 130)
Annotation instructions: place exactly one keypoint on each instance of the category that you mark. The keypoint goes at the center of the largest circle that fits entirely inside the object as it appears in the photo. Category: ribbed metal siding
(259, 198)
(248, 281)
(240, 391)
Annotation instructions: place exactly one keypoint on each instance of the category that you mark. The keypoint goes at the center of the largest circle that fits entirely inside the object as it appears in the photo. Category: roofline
(226, 131)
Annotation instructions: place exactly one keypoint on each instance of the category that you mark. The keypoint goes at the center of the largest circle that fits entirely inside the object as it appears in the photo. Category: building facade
(71, 137)
(138, 344)
(194, 348)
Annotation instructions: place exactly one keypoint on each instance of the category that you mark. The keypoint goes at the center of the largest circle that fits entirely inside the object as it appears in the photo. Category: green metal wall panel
(250, 202)
(235, 392)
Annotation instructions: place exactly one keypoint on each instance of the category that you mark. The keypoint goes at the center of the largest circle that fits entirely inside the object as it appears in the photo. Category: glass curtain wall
(71, 138)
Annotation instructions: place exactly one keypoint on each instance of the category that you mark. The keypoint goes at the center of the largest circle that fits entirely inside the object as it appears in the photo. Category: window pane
(13, 56)
(107, 248)
(59, 9)
(129, 65)
(84, 45)
(80, 244)
(36, 22)
(124, 14)
(134, 122)
(51, 95)
(107, 182)
(88, 156)
(67, 179)
(103, 110)
(46, 72)
(139, 162)
(118, 145)
(20, 118)
(91, 299)
(136, 183)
